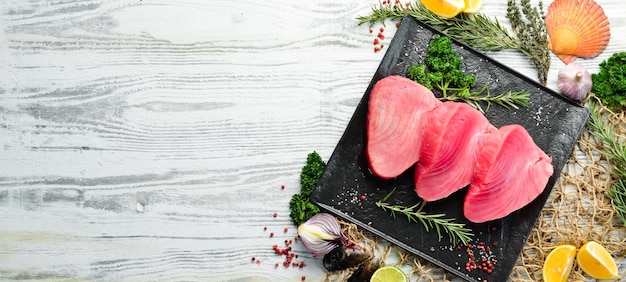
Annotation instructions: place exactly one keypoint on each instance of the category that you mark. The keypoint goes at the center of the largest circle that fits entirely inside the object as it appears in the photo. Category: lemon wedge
(444, 8)
(472, 6)
(558, 263)
(596, 261)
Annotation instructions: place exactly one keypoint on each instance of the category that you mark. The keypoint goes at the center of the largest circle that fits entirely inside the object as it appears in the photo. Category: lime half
(388, 274)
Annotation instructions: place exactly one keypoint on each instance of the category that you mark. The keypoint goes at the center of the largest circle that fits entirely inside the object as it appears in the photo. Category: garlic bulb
(574, 81)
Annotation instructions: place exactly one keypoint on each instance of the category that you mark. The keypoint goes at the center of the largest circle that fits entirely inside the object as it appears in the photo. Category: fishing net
(578, 210)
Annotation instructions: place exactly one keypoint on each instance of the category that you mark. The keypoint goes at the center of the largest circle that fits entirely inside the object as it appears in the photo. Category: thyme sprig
(615, 150)
(508, 99)
(530, 27)
(480, 31)
(415, 213)
(475, 30)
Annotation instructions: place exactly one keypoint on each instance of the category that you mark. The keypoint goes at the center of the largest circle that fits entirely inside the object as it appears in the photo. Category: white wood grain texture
(148, 140)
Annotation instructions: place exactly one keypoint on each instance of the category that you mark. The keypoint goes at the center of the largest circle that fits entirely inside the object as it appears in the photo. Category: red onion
(574, 81)
(321, 234)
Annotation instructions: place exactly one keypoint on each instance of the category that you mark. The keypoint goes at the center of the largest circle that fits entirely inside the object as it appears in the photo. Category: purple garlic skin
(574, 81)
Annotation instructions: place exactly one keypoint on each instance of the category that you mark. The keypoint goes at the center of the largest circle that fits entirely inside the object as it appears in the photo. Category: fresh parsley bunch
(610, 83)
(442, 71)
(300, 205)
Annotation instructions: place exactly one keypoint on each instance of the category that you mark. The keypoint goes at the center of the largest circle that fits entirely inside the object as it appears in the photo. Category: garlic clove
(574, 81)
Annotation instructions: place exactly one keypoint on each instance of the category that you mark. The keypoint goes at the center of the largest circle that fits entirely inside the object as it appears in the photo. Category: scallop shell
(576, 28)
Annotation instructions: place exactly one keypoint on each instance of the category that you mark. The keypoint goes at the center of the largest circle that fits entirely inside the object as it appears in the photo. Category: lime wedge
(388, 274)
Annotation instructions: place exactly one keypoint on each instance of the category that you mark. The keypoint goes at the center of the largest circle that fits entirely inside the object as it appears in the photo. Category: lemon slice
(472, 6)
(388, 274)
(558, 263)
(596, 261)
(444, 8)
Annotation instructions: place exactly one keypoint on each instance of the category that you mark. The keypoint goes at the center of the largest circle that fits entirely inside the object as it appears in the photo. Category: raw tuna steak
(394, 124)
(510, 172)
(453, 135)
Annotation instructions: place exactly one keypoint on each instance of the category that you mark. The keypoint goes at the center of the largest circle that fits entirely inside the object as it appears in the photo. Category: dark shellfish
(343, 257)
(365, 270)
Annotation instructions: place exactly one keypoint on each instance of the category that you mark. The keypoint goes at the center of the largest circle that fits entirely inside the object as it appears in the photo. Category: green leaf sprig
(615, 150)
(617, 194)
(508, 99)
(456, 231)
(300, 205)
(475, 30)
(480, 31)
(609, 84)
(529, 24)
(441, 70)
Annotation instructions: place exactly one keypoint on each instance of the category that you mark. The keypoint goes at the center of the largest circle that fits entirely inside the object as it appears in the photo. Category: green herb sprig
(475, 30)
(615, 150)
(456, 231)
(508, 99)
(480, 31)
(441, 70)
(301, 207)
(609, 84)
(530, 27)
(617, 194)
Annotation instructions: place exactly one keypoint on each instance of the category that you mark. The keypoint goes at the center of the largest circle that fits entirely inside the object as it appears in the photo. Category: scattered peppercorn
(290, 256)
(303, 278)
(275, 214)
(483, 259)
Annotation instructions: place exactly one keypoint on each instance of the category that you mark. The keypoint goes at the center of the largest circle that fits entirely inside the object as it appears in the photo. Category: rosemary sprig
(615, 150)
(475, 30)
(531, 32)
(480, 31)
(457, 231)
(508, 99)
(617, 194)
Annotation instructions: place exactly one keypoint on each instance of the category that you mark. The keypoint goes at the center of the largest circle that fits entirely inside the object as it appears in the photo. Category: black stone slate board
(554, 122)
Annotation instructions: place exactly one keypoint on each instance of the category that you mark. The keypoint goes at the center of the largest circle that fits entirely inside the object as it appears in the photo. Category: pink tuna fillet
(394, 124)
(511, 171)
(453, 135)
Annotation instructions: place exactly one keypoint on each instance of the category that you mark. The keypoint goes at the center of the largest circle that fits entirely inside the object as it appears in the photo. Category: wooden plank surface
(149, 139)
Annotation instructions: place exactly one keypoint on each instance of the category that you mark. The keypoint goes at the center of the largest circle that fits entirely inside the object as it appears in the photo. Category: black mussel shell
(365, 271)
(343, 258)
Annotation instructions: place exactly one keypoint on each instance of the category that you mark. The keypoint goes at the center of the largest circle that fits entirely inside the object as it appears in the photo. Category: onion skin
(322, 234)
(574, 81)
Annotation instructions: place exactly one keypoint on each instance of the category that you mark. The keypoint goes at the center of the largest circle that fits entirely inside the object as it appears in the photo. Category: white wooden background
(149, 139)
